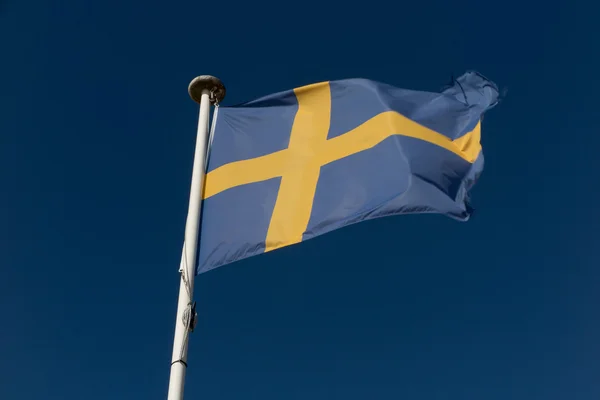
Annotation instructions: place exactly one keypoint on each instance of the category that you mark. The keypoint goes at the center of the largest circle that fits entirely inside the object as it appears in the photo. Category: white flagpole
(205, 90)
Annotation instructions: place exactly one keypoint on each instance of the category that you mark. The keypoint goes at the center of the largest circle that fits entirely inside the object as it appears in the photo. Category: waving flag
(294, 165)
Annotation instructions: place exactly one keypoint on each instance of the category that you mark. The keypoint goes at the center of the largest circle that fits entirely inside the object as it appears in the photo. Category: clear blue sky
(96, 143)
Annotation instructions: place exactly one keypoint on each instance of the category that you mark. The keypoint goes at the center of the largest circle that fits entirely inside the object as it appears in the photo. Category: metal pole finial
(214, 86)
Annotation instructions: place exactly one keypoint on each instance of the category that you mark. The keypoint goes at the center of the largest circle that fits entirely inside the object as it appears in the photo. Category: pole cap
(198, 84)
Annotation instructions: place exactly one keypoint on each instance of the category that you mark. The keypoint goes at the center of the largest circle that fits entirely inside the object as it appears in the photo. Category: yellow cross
(299, 165)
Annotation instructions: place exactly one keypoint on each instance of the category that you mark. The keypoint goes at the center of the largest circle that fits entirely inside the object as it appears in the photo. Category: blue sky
(96, 147)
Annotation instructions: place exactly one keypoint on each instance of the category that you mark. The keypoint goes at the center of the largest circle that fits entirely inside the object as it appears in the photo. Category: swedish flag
(294, 165)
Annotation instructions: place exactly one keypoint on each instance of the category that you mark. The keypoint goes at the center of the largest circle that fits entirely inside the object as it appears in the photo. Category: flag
(293, 165)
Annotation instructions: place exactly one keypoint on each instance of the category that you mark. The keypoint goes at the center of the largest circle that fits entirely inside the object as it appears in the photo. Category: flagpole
(205, 90)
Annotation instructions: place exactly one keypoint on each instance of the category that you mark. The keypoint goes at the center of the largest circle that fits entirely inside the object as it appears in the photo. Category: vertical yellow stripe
(298, 185)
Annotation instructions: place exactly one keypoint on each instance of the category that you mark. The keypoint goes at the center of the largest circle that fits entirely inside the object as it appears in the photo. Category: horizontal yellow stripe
(307, 144)
(387, 124)
(245, 171)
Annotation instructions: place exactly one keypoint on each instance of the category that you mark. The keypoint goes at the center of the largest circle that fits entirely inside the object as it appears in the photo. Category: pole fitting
(207, 82)
(190, 317)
